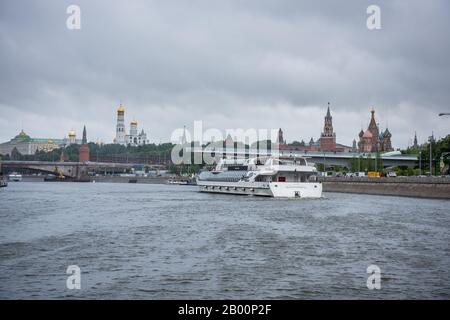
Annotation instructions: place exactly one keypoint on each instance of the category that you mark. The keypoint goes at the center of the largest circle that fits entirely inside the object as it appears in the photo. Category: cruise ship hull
(266, 189)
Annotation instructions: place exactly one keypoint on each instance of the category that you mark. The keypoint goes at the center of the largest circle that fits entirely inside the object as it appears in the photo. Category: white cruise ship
(263, 176)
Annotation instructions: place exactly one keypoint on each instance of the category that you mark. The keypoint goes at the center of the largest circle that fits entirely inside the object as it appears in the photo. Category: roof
(367, 134)
(22, 136)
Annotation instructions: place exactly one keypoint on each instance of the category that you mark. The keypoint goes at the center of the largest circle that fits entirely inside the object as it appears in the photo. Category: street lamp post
(420, 162)
(431, 155)
(376, 155)
(359, 163)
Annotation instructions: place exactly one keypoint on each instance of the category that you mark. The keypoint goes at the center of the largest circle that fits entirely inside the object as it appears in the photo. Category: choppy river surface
(171, 242)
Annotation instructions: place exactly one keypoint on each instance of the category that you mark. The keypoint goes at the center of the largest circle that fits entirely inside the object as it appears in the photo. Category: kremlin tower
(280, 138)
(120, 127)
(84, 148)
(328, 136)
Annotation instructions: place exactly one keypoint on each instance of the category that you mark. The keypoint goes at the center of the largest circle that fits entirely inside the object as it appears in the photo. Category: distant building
(26, 145)
(415, 145)
(120, 126)
(83, 155)
(135, 138)
(280, 138)
(328, 137)
(71, 139)
(365, 141)
(84, 140)
(326, 142)
(371, 140)
(132, 139)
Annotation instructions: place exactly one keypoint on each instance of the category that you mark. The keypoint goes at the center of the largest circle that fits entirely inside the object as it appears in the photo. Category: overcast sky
(232, 64)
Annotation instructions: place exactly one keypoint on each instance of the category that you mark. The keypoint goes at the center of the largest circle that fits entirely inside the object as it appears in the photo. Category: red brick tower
(84, 148)
(328, 136)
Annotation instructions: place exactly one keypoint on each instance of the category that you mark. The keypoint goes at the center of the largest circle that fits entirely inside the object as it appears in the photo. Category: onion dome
(361, 133)
(22, 136)
(121, 109)
(367, 134)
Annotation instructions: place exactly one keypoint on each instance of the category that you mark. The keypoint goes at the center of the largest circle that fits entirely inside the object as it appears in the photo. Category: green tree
(438, 148)
(379, 162)
(410, 171)
(15, 154)
(297, 144)
(354, 164)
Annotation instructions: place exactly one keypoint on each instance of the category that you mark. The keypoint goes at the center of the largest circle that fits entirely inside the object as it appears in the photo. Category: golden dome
(133, 122)
(72, 133)
(121, 108)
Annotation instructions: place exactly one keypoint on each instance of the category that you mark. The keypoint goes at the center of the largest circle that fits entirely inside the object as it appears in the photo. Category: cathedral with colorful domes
(372, 140)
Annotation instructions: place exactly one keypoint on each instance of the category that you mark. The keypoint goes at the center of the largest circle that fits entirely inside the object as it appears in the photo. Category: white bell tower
(120, 127)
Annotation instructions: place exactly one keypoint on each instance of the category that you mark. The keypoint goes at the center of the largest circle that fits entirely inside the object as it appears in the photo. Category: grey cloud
(249, 63)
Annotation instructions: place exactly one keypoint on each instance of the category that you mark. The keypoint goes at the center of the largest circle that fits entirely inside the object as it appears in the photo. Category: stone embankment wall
(109, 179)
(429, 187)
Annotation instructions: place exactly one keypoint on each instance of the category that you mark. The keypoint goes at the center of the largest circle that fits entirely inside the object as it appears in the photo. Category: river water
(170, 242)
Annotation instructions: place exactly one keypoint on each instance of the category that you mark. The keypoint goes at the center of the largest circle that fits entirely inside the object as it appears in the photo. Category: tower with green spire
(415, 145)
(84, 140)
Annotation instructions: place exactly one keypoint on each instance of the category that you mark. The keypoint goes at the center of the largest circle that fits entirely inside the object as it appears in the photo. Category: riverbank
(430, 187)
(109, 179)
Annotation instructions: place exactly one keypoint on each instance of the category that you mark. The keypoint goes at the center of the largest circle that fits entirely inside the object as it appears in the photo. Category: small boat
(52, 177)
(15, 177)
(3, 182)
(182, 182)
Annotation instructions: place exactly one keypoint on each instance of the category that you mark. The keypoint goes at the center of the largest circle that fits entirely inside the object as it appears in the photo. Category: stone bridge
(75, 170)
(390, 159)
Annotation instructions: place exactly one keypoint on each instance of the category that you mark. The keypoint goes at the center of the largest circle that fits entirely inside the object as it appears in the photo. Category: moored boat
(16, 177)
(182, 182)
(273, 176)
(3, 182)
